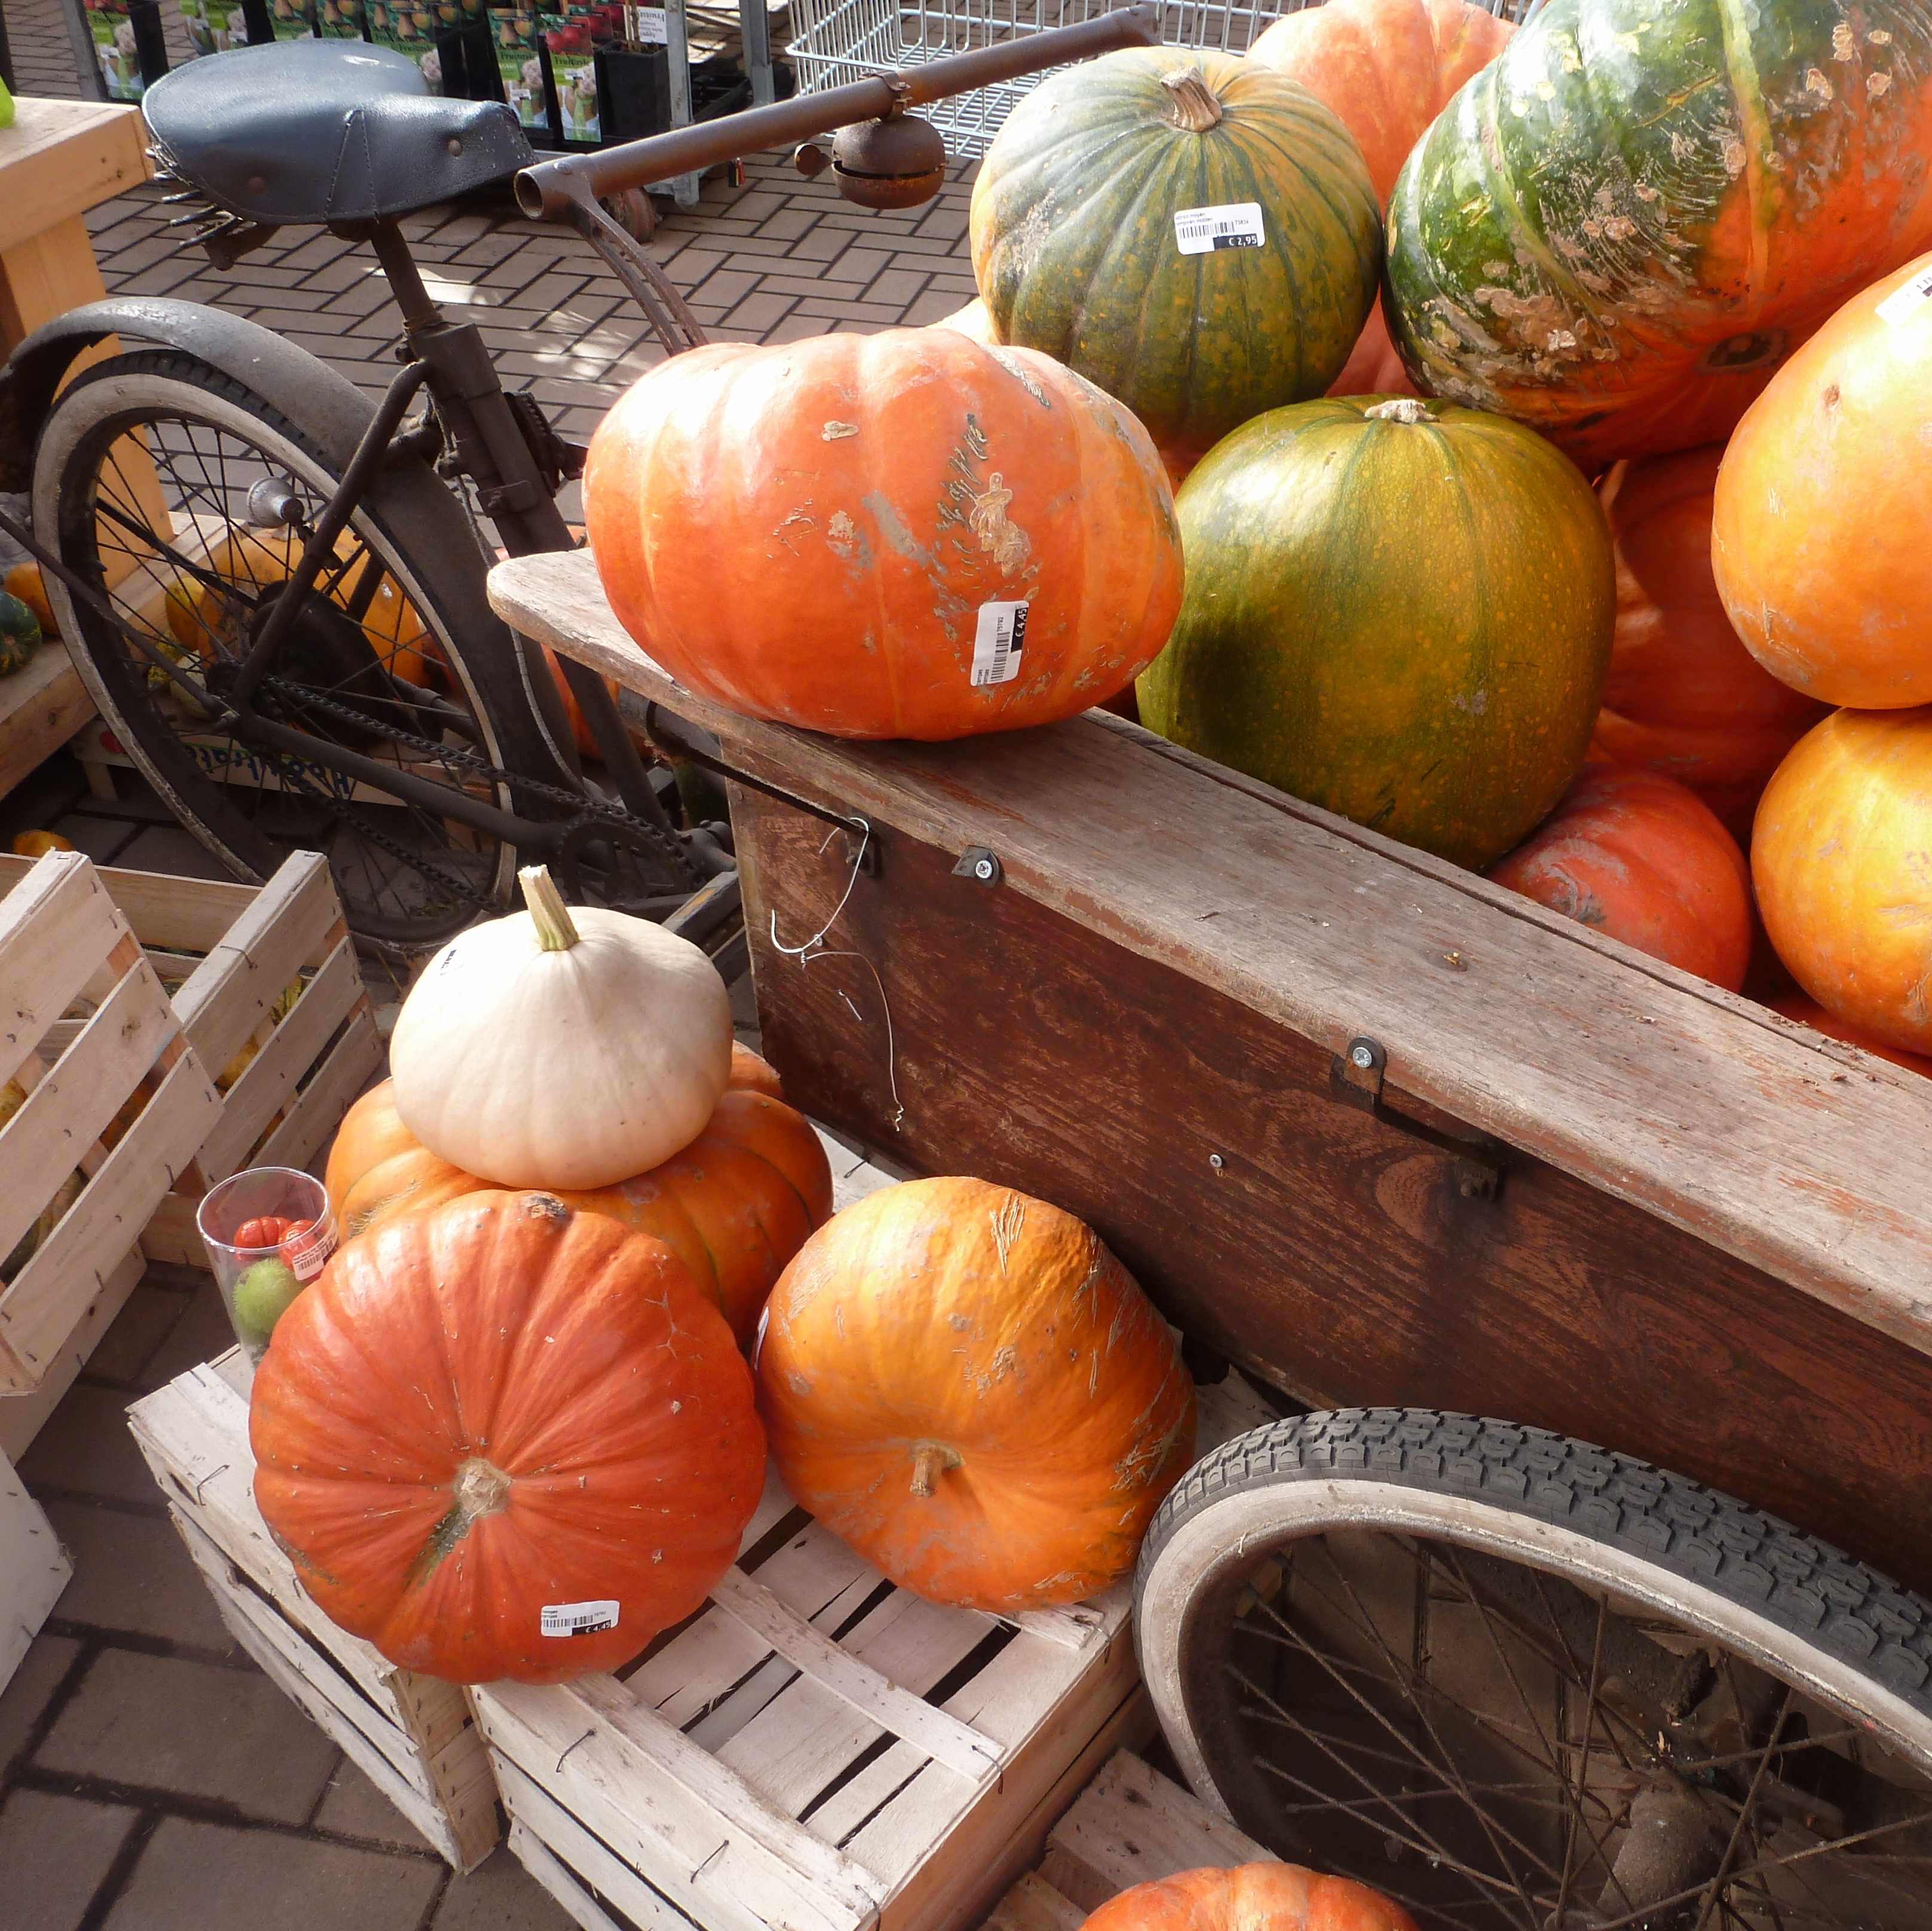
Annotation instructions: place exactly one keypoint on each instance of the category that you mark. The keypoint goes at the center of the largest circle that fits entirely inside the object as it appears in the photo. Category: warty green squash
(1093, 233)
(1395, 609)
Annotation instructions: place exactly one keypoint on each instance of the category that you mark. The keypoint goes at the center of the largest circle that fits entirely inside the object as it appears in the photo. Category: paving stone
(500, 1895)
(55, 1851)
(131, 1573)
(166, 847)
(138, 1330)
(169, 1723)
(24, 1702)
(209, 1877)
(102, 839)
(353, 1805)
(203, 1331)
(87, 1447)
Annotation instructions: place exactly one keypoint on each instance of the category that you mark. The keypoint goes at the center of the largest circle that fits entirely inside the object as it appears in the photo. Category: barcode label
(997, 642)
(577, 1619)
(1200, 231)
(309, 1261)
(1908, 299)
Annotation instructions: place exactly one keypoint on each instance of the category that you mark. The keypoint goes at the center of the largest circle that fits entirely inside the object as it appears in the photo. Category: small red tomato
(269, 1230)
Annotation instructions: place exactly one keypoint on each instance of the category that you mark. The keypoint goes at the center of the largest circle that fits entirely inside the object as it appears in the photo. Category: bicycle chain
(587, 805)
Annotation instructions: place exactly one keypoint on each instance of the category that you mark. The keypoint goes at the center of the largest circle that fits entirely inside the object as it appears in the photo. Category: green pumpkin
(1076, 251)
(1618, 230)
(20, 633)
(1397, 610)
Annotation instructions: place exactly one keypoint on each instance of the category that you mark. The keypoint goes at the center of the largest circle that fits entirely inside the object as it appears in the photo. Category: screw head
(454, 145)
(983, 869)
(1215, 1161)
(1361, 1055)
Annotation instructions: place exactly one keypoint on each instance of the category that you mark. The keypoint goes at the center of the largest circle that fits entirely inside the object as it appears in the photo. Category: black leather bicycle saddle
(325, 131)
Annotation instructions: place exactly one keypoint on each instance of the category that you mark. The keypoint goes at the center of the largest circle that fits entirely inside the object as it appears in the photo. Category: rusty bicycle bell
(896, 161)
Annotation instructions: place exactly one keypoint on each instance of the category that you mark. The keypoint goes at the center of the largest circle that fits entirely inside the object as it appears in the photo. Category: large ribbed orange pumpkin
(1250, 1897)
(1684, 697)
(1818, 537)
(833, 533)
(734, 1205)
(1809, 1012)
(1387, 67)
(503, 1439)
(1637, 856)
(1841, 855)
(966, 1386)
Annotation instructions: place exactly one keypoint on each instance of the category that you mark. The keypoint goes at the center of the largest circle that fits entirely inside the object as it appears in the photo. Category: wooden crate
(412, 1735)
(817, 1750)
(126, 1074)
(33, 1570)
(1129, 1826)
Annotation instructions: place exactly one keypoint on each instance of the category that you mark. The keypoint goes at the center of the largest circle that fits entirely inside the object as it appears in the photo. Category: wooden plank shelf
(1712, 1238)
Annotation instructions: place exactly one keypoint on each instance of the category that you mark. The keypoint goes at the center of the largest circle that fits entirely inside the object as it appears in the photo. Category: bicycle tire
(414, 525)
(1831, 1629)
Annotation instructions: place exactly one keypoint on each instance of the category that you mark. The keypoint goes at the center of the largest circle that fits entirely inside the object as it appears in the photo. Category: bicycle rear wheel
(379, 659)
(1519, 1683)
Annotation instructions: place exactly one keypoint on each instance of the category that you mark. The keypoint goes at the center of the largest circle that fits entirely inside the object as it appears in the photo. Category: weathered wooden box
(412, 1735)
(115, 1104)
(818, 1750)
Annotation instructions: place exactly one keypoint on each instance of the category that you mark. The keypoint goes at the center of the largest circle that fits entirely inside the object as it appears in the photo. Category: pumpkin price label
(1908, 299)
(997, 642)
(1200, 231)
(577, 1619)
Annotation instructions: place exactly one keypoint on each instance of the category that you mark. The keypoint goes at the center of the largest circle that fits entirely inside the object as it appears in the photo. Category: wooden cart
(1372, 1128)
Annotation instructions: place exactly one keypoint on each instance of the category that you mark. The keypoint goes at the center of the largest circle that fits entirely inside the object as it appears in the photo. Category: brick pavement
(150, 1777)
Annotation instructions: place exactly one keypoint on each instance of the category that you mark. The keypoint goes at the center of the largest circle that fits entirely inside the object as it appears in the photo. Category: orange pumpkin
(973, 321)
(580, 727)
(1809, 1012)
(1839, 855)
(1373, 367)
(1638, 858)
(1818, 533)
(1387, 67)
(24, 581)
(821, 532)
(734, 1205)
(1684, 697)
(499, 1410)
(1250, 1897)
(966, 1386)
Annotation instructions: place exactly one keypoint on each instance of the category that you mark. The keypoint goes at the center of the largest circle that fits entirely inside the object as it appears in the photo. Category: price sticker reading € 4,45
(1200, 231)
(998, 638)
(577, 1619)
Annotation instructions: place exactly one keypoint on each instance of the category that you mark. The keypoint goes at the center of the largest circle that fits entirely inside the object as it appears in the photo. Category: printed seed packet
(339, 20)
(291, 20)
(573, 68)
(513, 31)
(112, 32)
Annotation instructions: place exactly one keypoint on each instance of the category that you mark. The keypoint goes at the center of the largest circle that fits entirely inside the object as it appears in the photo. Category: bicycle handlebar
(552, 188)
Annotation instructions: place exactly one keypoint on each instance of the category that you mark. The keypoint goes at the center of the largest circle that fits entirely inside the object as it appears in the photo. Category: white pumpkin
(561, 1048)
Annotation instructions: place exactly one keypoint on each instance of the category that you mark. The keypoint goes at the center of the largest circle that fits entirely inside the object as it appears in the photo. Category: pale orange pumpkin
(1250, 1897)
(814, 531)
(972, 321)
(1684, 697)
(1839, 855)
(734, 1205)
(1636, 857)
(1387, 67)
(966, 1386)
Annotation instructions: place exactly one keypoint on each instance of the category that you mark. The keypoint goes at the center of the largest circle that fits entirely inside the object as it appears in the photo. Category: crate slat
(588, 1862)
(55, 930)
(311, 1123)
(33, 1570)
(36, 1309)
(1033, 1905)
(183, 916)
(249, 1107)
(22, 1416)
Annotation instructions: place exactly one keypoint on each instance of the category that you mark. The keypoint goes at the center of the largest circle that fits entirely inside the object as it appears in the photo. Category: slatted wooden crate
(33, 1570)
(1129, 1826)
(118, 1096)
(817, 1750)
(412, 1735)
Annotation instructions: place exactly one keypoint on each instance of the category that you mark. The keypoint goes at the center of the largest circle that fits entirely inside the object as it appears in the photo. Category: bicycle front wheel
(1518, 1683)
(184, 498)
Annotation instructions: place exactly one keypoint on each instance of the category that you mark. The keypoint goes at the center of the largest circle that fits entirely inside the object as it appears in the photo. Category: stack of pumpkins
(515, 1406)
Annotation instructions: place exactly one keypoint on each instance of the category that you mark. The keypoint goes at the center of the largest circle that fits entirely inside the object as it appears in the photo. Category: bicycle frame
(516, 461)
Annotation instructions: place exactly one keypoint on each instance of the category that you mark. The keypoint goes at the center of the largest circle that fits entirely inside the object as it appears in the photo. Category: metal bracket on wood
(1355, 1078)
(675, 748)
(980, 864)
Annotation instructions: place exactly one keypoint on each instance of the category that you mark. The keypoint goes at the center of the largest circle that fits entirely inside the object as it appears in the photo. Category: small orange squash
(1684, 697)
(734, 1205)
(1839, 855)
(24, 581)
(1638, 858)
(1250, 1897)
(966, 1386)
(488, 1421)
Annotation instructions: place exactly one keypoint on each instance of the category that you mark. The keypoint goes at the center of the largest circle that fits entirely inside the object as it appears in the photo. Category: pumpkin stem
(556, 931)
(1192, 104)
(482, 1488)
(1401, 408)
(931, 1459)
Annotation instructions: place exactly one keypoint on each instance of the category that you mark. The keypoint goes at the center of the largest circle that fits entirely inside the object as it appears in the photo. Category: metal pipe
(551, 188)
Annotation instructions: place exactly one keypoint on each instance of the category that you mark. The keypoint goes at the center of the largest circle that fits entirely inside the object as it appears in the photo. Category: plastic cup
(258, 1282)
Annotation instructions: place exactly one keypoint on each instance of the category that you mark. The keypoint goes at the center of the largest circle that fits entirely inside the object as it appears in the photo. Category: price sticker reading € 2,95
(1200, 231)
